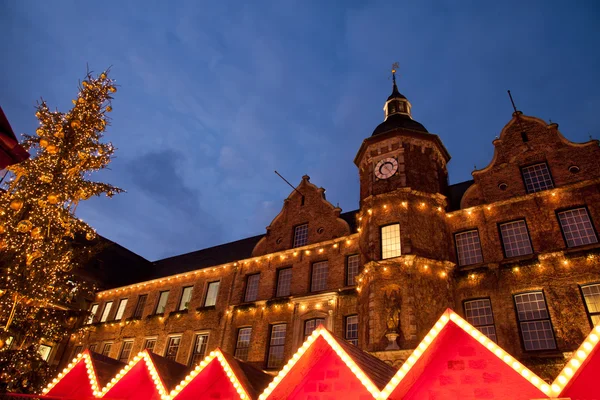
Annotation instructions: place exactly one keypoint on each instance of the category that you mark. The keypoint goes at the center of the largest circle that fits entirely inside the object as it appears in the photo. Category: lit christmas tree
(41, 239)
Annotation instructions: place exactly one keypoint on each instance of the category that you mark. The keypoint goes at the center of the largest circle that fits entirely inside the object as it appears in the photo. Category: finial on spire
(395, 67)
(517, 112)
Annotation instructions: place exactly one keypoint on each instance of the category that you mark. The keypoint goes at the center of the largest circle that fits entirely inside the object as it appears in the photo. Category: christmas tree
(41, 239)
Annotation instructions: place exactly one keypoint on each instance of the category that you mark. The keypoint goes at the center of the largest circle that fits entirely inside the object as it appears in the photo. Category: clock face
(386, 168)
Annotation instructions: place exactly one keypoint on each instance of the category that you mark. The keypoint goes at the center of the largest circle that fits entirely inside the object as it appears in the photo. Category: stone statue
(392, 302)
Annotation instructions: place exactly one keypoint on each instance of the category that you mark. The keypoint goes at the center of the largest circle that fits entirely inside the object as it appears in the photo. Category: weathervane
(395, 67)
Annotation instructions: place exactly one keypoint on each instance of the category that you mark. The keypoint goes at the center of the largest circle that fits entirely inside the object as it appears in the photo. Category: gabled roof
(456, 358)
(579, 377)
(321, 348)
(170, 372)
(213, 373)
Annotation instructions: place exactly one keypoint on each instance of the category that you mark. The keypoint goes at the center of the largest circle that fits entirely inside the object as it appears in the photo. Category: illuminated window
(537, 178)
(276, 346)
(162, 302)
(121, 309)
(243, 343)
(468, 247)
(149, 344)
(534, 321)
(320, 272)
(126, 351)
(45, 351)
(577, 227)
(311, 324)
(591, 297)
(173, 347)
(301, 235)
(479, 314)
(211, 294)
(199, 350)
(139, 307)
(352, 266)
(106, 349)
(93, 311)
(515, 239)
(186, 297)
(252, 282)
(284, 282)
(106, 311)
(351, 330)
(76, 351)
(390, 241)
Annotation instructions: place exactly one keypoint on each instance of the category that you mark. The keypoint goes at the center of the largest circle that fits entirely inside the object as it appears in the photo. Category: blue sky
(214, 96)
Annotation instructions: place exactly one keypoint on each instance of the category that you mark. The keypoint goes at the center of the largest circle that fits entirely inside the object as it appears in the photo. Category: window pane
(186, 297)
(162, 302)
(301, 235)
(126, 351)
(243, 343)
(173, 348)
(479, 314)
(577, 227)
(537, 178)
(92, 347)
(199, 350)
(515, 239)
(311, 324)
(150, 343)
(351, 333)
(390, 241)
(353, 264)
(121, 309)
(320, 272)
(252, 282)
(44, 351)
(284, 281)
(211, 294)
(93, 311)
(536, 329)
(276, 346)
(139, 308)
(591, 296)
(106, 349)
(468, 248)
(106, 311)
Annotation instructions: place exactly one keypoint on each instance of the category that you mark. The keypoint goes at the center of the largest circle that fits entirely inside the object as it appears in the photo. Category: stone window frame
(125, 342)
(304, 322)
(160, 295)
(549, 319)
(193, 354)
(206, 290)
(479, 326)
(277, 278)
(104, 345)
(244, 349)
(303, 234)
(312, 270)
(179, 303)
(456, 246)
(251, 292)
(140, 305)
(271, 346)
(105, 315)
(590, 314)
(348, 276)
(381, 239)
(562, 231)
(503, 241)
(122, 314)
(171, 338)
(527, 188)
(149, 339)
(347, 337)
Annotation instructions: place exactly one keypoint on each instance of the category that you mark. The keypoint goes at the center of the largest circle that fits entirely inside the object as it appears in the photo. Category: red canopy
(10, 150)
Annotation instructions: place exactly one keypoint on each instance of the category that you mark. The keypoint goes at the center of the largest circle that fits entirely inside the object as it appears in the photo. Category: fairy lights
(87, 359)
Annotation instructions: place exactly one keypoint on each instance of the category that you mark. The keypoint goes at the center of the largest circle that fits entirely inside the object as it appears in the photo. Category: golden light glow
(143, 356)
(85, 356)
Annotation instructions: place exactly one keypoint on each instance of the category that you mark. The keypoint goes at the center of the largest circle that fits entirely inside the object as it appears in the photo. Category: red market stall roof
(579, 377)
(455, 360)
(328, 367)
(84, 376)
(221, 376)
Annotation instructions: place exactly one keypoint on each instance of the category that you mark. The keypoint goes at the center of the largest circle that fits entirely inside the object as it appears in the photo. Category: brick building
(514, 251)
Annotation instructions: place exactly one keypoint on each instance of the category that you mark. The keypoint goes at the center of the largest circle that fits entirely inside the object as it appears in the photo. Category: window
(301, 235)
(537, 178)
(515, 239)
(211, 294)
(479, 314)
(162, 302)
(252, 282)
(199, 350)
(390, 241)
(93, 311)
(284, 281)
(276, 346)
(106, 349)
(577, 227)
(352, 266)
(149, 344)
(139, 307)
(126, 351)
(186, 297)
(591, 297)
(45, 351)
(534, 321)
(77, 350)
(311, 324)
(172, 347)
(320, 272)
(243, 343)
(106, 311)
(92, 347)
(351, 330)
(468, 247)
(121, 309)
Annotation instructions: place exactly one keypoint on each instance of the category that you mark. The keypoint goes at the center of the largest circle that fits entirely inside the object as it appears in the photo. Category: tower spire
(396, 103)
(395, 67)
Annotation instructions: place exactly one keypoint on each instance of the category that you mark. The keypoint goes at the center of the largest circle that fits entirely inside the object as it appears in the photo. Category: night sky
(214, 98)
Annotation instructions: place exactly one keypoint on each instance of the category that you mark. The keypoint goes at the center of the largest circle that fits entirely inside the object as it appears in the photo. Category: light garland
(218, 355)
(89, 365)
